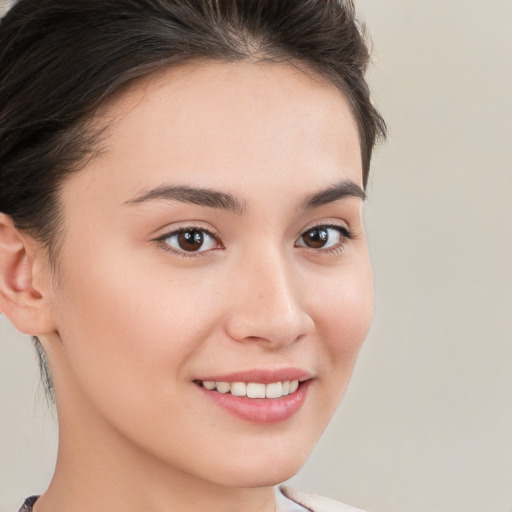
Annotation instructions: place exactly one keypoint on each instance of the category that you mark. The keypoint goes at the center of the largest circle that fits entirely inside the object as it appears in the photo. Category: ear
(24, 296)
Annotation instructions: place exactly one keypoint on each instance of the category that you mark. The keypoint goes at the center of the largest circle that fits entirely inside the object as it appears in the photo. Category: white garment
(287, 500)
(291, 500)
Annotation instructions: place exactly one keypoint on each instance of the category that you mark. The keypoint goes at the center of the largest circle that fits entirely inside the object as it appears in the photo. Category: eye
(324, 237)
(189, 240)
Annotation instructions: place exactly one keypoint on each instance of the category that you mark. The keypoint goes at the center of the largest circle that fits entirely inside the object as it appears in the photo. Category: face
(217, 240)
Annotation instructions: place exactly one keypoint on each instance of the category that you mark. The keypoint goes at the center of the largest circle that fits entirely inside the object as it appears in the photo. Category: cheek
(129, 331)
(344, 307)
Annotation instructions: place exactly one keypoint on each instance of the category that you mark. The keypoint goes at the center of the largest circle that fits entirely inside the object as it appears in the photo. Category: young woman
(181, 186)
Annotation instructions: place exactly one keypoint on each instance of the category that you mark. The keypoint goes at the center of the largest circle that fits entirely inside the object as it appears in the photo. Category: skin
(127, 325)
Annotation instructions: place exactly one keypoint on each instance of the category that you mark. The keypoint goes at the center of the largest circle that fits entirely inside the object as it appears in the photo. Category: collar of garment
(287, 500)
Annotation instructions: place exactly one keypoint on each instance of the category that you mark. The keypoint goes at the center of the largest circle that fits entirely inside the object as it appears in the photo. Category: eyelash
(192, 254)
(345, 233)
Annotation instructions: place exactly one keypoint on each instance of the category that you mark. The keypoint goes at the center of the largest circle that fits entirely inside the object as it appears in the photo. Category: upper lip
(263, 376)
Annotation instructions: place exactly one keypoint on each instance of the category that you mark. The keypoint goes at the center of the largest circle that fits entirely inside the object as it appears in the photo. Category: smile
(253, 389)
(258, 396)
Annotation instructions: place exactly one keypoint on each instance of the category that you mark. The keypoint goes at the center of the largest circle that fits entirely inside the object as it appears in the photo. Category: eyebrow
(225, 201)
(193, 195)
(341, 190)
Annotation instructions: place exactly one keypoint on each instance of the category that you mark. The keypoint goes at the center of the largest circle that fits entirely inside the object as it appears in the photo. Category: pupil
(316, 238)
(190, 240)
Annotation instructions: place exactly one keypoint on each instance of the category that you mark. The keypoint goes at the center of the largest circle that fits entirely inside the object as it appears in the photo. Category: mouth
(252, 389)
(258, 396)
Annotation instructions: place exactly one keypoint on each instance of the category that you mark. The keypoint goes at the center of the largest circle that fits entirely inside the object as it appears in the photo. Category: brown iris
(190, 240)
(316, 238)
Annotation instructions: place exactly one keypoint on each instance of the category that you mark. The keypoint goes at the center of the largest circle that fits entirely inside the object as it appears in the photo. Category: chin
(268, 476)
(268, 469)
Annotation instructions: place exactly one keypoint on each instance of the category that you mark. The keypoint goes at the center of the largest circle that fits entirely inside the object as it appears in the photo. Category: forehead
(212, 121)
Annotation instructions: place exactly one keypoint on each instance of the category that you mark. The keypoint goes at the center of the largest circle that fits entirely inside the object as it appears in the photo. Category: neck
(111, 479)
(98, 468)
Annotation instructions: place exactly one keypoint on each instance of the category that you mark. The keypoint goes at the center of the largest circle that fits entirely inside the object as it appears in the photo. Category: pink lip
(261, 410)
(262, 376)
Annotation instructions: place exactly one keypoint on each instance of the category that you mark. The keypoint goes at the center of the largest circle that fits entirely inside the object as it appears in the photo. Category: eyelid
(210, 232)
(330, 223)
(345, 231)
(346, 234)
(174, 227)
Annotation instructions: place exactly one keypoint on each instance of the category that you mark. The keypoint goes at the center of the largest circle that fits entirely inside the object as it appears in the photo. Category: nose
(266, 305)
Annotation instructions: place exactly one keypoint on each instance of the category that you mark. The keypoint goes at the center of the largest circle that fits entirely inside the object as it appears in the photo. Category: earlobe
(24, 304)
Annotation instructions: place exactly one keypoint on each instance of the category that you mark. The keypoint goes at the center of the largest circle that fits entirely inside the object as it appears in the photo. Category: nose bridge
(267, 300)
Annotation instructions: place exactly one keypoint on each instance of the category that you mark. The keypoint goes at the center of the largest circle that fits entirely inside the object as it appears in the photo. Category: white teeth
(223, 387)
(254, 389)
(239, 388)
(274, 390)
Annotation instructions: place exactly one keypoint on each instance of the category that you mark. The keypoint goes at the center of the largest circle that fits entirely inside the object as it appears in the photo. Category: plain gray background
(426, 424)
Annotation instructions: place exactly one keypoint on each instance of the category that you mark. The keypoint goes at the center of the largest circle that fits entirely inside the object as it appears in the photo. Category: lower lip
(260, 410)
